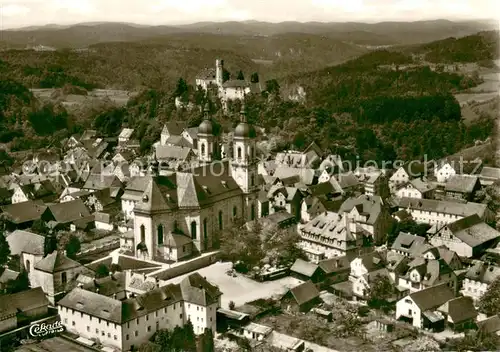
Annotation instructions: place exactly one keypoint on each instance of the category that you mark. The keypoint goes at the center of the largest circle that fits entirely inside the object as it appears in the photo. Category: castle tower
(244, 161)
(206, 138)
(219, 72)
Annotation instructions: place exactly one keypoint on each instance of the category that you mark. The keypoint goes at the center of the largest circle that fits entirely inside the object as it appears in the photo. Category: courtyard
(241, 289)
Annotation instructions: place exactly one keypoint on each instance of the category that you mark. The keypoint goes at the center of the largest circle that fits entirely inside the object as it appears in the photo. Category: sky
(21, 13)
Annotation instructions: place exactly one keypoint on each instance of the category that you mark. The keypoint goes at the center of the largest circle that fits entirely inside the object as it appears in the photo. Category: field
(241, 289)
(119, 97)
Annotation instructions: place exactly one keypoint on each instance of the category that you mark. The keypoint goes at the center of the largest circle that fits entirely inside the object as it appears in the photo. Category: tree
(73, 247)
(240, 76)
(50, 244)
(4, 249)
(39, 226)
(181, 87)
(474, 341)
(489, 303)
(272, 86)
(254, 78)
(114, 268)
(101, 271)
(381, 289)
(226, 75)
(207, 341)
(189, 337)
(22, 283)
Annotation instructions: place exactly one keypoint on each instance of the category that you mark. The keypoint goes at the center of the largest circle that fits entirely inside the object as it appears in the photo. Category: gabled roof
(55, 262)
(473, 231)
(335, 264)
(461, 183)
(25, 211)
(67, 212)
(432, 297)
(446, 207)
(406, 242)
(195, 289)
(207, 74)
(347, 180)
(491, 324)
(28, 242)
(371, 206)
(177, 240)
(304, 268)
(490, 173)
(459, 309)
(173, 152)
(236, 83)
(304, 292)
(174, 128)
(483, 272)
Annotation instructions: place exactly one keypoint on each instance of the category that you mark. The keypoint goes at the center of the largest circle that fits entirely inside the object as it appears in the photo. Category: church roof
(56, 261)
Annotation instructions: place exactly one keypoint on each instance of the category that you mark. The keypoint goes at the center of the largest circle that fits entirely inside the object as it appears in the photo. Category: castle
(228, 90)
(179, 215)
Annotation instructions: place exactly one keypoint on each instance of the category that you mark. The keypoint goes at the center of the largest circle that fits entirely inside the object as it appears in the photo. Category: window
(160, 234)
(115, 337)
(88, 328)
(239, 152)
(180, 316)
(235, 211)
(65, 320)
(203, 149)
(149, 328)
(193, 230)
(127, 337)
(28, 266)
(136, 333)
(143, 234)
(221, 225)
(73, 323)
(147, 317)
(252, 212)
(109, 335)
(97, 331)
(252, 180)
(205, 231)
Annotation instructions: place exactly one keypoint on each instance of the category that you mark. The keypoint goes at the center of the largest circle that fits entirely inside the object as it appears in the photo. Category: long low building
(440, 213)
(126, 324)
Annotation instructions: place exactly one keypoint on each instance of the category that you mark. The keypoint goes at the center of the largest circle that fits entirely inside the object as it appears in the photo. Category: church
(180, 215)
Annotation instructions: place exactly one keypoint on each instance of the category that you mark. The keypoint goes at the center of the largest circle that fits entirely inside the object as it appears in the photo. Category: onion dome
(244, 129)
(206, 126)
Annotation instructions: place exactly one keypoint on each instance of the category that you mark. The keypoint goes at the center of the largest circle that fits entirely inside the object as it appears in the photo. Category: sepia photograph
(232, 176)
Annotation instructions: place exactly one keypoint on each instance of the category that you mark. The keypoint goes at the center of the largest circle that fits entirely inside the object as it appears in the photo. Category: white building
(444, 171)
(128, 323)
(478, 278)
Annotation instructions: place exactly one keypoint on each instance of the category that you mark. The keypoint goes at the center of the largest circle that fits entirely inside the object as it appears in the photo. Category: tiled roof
(23, 212)
(461, 183)
(473, 231)
(491, 324)
(305, 268)
(7, 274)
(446, 207)
(172, 152)
(304, 292)
(490, 172)
(174, 128)
(27, 300)
(369, 205)
(177, 240)
(336, 264)
(432, 297)
(483, 272)
(207, 74)
(27, 242)
(67, 212)
(108, 285)
(55, 262)
(235, 83)
(328, 226)
(406, 242)
(195, 289)
(306, 175)
(459, 309)
(100, 181)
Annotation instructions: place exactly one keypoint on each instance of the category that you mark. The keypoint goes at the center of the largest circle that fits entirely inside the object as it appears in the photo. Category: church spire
(243, 113)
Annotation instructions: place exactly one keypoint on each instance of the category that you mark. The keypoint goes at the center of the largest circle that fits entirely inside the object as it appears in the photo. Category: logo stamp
(44, 329)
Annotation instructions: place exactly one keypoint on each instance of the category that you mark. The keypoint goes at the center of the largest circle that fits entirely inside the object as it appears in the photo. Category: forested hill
(473, 48)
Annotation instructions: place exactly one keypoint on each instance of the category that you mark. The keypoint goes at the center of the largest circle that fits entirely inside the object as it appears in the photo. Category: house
(125, 135)
(332, 235)
(460, 313)
(349, 182)
(43, 190)
(312, 206)
(256, 332)
(440, 212)
(306, 271)
(126, 324)
(103, 221)
(178, 246)
(369, 213)
(300, 298)
(285, 198)
(489, 175)
(56, 274)
(362, 285)
(335, 269)
(422, 273)
(415, 188)
(174, 155)
(22, 215)
(20, 308)
(7, 275)
(421, 308)
(478, 278)
(462, 187)
(96, 182)
(406, 173)
(29, 247)
(430, 252)
(172, 128)
(63, 215)
(468, 237)
(444, 170)
(406, 243)
(490, 325)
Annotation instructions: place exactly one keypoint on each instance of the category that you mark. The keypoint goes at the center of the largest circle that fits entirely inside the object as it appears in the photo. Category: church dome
(205, 127)
(245, 130)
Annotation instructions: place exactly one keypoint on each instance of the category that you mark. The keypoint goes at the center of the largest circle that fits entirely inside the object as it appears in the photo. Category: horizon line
(183, 24)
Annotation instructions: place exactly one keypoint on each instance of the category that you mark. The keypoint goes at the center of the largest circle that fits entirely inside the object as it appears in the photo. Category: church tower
(207, 142)
(244, 161)
(219, 72)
